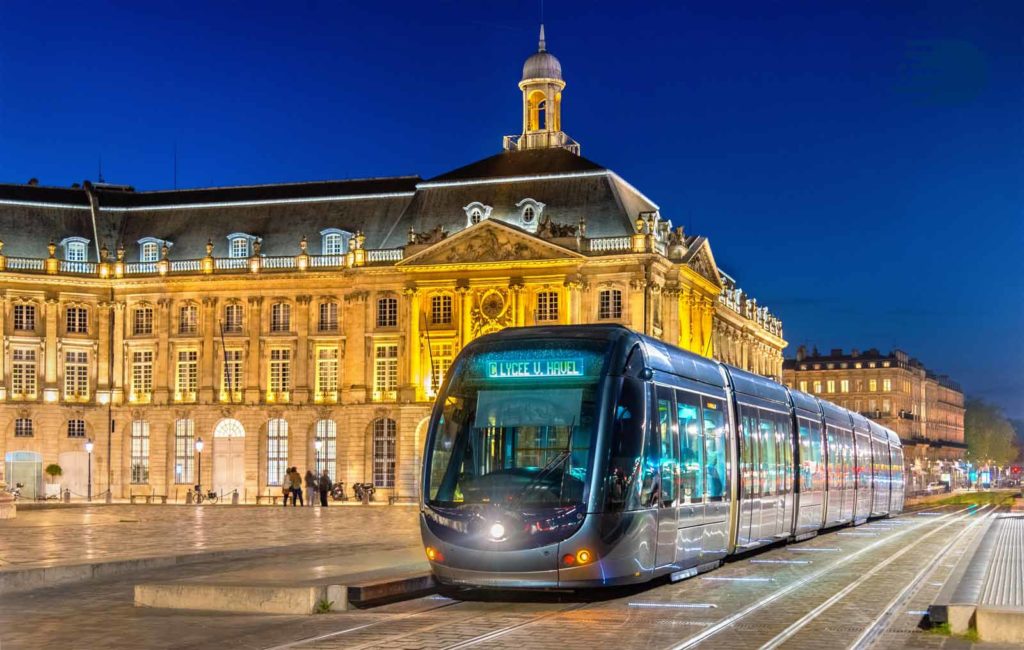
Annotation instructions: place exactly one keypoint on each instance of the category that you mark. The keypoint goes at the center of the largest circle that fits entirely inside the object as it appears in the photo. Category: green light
(555, 367)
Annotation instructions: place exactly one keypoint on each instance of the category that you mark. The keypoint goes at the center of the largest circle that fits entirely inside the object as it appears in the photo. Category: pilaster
(253, 350)
(51, 342)
(163, 363)
(208, 360)
(119, 365)
(303, 352)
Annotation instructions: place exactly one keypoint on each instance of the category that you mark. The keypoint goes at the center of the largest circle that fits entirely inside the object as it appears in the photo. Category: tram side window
(669, 465)
(818, 456)
(849, 459)
(691, 448)
(625, 448)
(769, 462)
(835, 458)
(784, 435)
(806, 455)
(748, 452)
(714, 448)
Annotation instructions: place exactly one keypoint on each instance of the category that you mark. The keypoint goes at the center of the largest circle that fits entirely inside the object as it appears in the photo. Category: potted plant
(53, 470)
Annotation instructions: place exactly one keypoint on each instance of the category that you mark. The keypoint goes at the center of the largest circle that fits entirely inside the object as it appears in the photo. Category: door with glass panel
(716, 479)
(690, 464)
(662, 455)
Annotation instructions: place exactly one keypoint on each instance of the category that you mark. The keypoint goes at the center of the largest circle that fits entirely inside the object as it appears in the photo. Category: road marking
(676, 605)
(780, 561)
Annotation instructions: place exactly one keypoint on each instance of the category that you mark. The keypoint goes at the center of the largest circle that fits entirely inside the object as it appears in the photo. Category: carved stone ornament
(494, 312)
(549, 230)
(429, 237)
(487, 246)
(701, 263)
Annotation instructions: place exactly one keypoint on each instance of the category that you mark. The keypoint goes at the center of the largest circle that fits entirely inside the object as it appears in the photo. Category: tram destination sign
(555, 367)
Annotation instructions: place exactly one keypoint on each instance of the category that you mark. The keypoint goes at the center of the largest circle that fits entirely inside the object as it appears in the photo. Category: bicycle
(198, 497)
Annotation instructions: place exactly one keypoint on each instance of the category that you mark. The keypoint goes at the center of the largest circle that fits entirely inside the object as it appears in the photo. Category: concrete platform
(297, 585)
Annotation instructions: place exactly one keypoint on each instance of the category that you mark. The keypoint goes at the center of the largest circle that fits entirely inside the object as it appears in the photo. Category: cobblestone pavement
(879, 577)
(100, 533)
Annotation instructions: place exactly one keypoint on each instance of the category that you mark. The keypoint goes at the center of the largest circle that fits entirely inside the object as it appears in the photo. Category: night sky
(859, 166)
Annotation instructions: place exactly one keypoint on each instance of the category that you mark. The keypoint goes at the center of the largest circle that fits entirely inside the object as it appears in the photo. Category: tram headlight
(497, 531)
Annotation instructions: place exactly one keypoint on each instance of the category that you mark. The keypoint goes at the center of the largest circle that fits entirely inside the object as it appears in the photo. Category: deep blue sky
(858, 166)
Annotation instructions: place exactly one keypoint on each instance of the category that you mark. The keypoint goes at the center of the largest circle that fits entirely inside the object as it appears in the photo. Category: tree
(989, 435)
(53, 470)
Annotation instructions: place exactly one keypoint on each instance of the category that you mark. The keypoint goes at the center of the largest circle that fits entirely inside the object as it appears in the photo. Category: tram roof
(757, 386)
(835, 414)
(666, 358)
(804, 401)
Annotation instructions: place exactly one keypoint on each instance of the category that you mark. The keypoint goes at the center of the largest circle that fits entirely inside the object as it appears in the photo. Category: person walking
(325, 488)
(296, 487)
(311, 487)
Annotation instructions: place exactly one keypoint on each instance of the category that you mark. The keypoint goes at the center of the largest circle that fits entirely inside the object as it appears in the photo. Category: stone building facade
(897, 391)
(310, 324)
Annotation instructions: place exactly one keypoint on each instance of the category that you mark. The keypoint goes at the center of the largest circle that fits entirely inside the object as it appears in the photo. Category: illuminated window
(187, 375)
(872, 385)
(280, 317)
(886, 406)
(277, 450)
(76, 320)
(280, 371)
(475, 216)
(188, 319)
(328, 321)
(385, 371)
(149, 252)
(803, 385)
(871, 365)
(844, 385)
(387, 312)
(858, 365)
(231, 380)
(886, 385)
(76, 375)
(23, 372)
(184, 451)
(384, 444)
(831, 385)
(76, 428)
(327, 434)
(23, 428)
(142, 321)
(547, 306)
(885, 364)
(232, 319)
(334, 241)
(142, 375)
(75, 249)
(528, 214)
(817, 387)
(25, 318)
(441, 356)
(140, 452)
(327, 373)
(440, 310)
(238, 246)
(609, 304)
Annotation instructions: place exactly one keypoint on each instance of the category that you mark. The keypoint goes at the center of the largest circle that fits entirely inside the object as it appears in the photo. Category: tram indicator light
(434, 555)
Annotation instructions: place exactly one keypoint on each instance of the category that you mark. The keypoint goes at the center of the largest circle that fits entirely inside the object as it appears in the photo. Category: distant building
(895, 390)
(312, 323)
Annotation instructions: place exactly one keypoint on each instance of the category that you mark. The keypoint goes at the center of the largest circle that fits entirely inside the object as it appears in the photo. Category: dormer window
(334, 242)
(240, 244)
(476, 212)
(529, 213)
(149, 249)
(76, 249)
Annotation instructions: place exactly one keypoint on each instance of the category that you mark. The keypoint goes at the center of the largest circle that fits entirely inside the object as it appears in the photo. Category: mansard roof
(531, 162)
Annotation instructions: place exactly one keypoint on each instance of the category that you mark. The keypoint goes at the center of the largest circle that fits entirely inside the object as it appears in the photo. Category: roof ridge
(287, 184)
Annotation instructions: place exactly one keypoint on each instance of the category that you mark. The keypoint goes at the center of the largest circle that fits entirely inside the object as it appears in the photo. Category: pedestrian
(286, 488)
(296, 479)
(311, 487)
(325, 488)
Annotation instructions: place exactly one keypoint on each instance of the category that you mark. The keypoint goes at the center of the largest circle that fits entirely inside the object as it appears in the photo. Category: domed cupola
(542, 87)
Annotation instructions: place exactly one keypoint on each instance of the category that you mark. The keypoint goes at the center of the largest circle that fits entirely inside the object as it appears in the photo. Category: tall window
(277, 450)
(609, 304)
(803, 385)
(232, 319)
(333, 243)
(239, 247)
(23, 428)
(184, 451)
(140, 451)
(187, 375)
(76, 320)
(142, 321)
(280, 317)
(23, 372)
(440, 310)
(817, 387)
(385, 371)
(872, 385)
(76, 428)
(844, 385)
(188, 319)
(231, 381)
(387, 312)
(887, 385)
(440, 361)
(142, 374)
(831, 384)
(25, 318)
(327, 434)
(280, 370)
(547, 306)
(75, 251)
(327, 373)
(150, 252)
(384, 438)
(328, 317)
(76, 374)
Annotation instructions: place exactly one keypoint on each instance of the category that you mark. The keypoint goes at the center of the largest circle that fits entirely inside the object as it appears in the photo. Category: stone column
(303, 351)
(356, 349)
(208, 358)
(515, 288)
(707, 313)
(252, 358)
(117, 396)
(413, 297)
(467, 313)
(685, 322)
(573, 301)
(163, 362)
(102, 356)
(638, 315)
(51, 344)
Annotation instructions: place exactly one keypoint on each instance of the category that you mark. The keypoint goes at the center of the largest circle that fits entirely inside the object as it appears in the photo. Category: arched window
(140, 452)
(528, 214)
(476, 212)
(327, 458)
(240, 244)
(334, 241)
(277, 450)
(542, 115)
(384, 443)
(150, 252)
(530, 211)
(475, 216)
(75, 249)
(184, 451)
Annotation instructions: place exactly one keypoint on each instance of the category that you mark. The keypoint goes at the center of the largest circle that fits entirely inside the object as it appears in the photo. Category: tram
(588, 456)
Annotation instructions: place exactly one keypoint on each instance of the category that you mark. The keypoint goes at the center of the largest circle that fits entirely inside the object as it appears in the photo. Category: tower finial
(541, 46)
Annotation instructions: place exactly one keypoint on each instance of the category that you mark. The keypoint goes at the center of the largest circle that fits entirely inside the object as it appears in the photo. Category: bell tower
(542, 87)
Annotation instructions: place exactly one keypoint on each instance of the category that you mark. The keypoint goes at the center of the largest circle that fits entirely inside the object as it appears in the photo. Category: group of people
(292, 487)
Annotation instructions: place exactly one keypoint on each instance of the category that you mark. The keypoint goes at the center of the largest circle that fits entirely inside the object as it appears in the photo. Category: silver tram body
(586, 456)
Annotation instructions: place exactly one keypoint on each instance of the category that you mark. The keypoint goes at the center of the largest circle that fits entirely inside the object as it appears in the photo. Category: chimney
(836, 352)
(801, 353)
(33, 181)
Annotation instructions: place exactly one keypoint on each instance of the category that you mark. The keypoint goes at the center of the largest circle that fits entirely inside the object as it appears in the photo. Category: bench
(150, 498)
(274, 498)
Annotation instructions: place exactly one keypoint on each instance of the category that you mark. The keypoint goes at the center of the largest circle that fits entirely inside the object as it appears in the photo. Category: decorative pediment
(490, 241)
(701, 260)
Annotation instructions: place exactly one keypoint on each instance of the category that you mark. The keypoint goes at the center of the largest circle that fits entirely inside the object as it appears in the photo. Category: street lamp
(88, 450)
(318, 445)
(199, 465)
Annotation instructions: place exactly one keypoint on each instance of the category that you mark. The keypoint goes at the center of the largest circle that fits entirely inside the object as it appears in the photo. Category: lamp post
(199, 464)
(88, 450)
(318, 445)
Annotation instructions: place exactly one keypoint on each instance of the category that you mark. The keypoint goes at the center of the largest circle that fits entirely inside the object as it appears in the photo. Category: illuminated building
(264, 318)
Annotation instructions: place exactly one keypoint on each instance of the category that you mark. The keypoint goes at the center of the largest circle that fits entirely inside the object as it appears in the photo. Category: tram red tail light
(569, 559)
(434, 555)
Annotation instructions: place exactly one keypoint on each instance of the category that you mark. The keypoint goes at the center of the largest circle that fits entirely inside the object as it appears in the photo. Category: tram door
(863, 465)
(690, 512)
(716, 480)
(662, 454)
(750, 489)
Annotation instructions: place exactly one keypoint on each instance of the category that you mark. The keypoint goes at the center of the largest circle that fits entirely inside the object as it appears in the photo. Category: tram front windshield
(517, 425)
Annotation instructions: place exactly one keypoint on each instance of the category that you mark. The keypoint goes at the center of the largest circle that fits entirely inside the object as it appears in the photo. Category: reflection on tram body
(590, 455)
